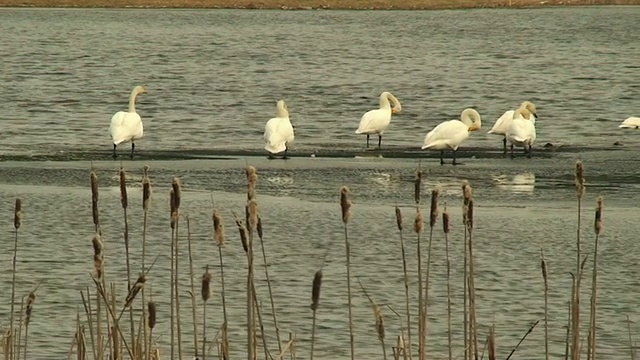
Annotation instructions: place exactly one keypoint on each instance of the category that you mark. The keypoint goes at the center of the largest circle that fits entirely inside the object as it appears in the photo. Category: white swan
(504, 122)
(127, 125)
(522, 131)
(278, 132)
(631, 123)
(450, 134)
(376, 121)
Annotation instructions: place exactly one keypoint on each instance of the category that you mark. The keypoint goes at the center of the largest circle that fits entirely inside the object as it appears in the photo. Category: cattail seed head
(377, 312)
(446, 227)
(173, 211)
(177, 192)
(94, 198)
(98, 256)
(244, 236)
(151, 309)
(579, 180)
(146, 189)
(434, 207)
(253, 214)
(205, 290)
(135, 289)
(418, 224)
(543, 266)
(345, 204)
(598, 224)
(417, 186)
(252, 182)
(218, 228)
(259, 227)
(17, 214)
(30, 300)
(470, 214)
(123, 189)
(399, 218)
(315, 290)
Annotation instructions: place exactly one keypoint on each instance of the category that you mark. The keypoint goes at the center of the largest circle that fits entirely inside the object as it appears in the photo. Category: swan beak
(535, 115)
(395, 111)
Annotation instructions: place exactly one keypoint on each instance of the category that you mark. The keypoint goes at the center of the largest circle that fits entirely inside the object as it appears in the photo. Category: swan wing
(374, 121)
(630, 123)
(502, 124)
(521, 132)
(125, 126)
(277, 133)
(449, 134)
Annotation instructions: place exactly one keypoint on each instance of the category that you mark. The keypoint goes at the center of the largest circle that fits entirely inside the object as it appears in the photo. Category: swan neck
(132, 100)
(474, 124)
(384, 101)
(282, 112)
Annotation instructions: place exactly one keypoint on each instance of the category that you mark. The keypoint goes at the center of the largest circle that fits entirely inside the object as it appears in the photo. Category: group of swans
(515, 126)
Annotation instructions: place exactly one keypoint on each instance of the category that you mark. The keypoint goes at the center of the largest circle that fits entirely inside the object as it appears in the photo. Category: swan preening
(631, 123)
(127, 125)
(450, 134)
(376, 121)
(278, 132)
(504, 122)
(522, 131)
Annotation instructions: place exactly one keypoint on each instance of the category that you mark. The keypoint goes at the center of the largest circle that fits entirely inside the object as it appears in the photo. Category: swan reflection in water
(519, 183)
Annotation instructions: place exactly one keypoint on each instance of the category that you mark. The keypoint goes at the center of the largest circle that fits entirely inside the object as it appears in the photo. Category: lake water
(214, 77)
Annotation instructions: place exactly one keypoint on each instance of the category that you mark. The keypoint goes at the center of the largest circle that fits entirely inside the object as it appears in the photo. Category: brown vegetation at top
(309, 4)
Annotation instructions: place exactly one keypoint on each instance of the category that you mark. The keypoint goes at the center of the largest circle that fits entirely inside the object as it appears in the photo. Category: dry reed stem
(543, 268)
(86, 302)
(219, 236)
(598, 226)
(315, 302)
(433, 218)
(406, 279)
(522, 339)
(266, 273)
(151, 322)
(445, 229)
(173, 216)
(205, 293)
(29, 309)
(418, 227)
(20, 322)
(580, 192)
(146, 199)
(17, 221)
(124, 201)
(492, 343)
(94, 201)
(193, 289)
(379, 324)
(177, 196)
(345, 207)
(466, 192)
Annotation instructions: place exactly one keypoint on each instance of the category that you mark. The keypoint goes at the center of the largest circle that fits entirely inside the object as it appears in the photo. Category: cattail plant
(446, 228)
(473, 327)
(466, 194)
(98, 257)
(491, 343)
(205, 293)
(598, 226)
(433, 218)
(27, 319)
(315, 302)
(124, 201)
(219, 237)
(377, 313)
(173, 216)
(94, 201)
(418, 227)
(406, 279)
(17, 222)
(151, 322)
(345, 207)
(543, 268)
(192, 293)
(575, 321)
(176, 186)
(146, 199)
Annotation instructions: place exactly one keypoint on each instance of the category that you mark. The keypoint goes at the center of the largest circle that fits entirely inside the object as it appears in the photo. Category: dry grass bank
(310, 4)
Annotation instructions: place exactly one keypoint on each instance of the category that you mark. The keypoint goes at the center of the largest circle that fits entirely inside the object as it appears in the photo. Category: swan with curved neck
(522, 131)
(630, 123)
(126, 126)
(278, 132)
(450, 134)
(376, 121)
(504, 122)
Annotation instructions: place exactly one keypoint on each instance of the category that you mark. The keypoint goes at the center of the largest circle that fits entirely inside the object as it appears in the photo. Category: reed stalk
(472, 287)
(446, 228)
(20, 322)
(124, 201)
(146, 199)
(86, 302)
(377, 313)
(632, 352)
(252, 181)
(266, 273)
(345, 207)
(598, 227)
(543, 268)
(219, 237)
(418, 227)
(193, 290)
(173, 215)
(205, 293)
(98, 261)
(580, 192)
(433, 218)
(177, 194)
(406, 281)
(27, 320)
(491, 343)
(17, 222)
(151, 322)
(465, 210)
(315, 302)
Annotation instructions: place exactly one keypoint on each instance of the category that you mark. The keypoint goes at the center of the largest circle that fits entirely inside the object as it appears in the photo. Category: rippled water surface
(214, 77)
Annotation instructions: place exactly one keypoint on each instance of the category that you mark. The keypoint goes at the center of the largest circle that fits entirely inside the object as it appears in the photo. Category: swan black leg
(504, 146)
(379, 141)
(114, 151)
(133, 146)
(285, 157)
(512, 155)
(441, 157)
(455, 162)
(529, 153)
(367, 141)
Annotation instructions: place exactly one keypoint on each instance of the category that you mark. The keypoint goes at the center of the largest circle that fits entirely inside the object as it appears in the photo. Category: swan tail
(275, 147)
